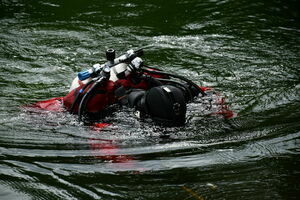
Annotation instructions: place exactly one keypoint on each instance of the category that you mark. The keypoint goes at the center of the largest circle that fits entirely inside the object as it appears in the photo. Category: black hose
(79, 95)
(87, 96)
(176, 76)
(151, 80)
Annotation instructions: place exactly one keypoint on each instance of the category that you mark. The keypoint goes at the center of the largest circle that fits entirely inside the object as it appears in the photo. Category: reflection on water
(247, 51)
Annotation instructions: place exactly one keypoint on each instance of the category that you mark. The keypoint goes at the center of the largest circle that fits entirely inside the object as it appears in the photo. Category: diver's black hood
(165, 104)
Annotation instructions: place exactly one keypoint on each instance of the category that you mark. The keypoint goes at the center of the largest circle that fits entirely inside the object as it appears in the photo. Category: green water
(248, 50)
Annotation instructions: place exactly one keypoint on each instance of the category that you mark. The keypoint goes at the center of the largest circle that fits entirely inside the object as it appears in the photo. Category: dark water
(249, 50)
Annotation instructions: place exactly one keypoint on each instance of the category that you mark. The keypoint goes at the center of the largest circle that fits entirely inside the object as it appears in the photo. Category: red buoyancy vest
(104, 95)
(53, 104)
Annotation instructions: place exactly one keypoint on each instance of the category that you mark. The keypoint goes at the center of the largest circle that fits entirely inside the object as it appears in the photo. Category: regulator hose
(87, 96)
(176, 76)
(78, 96)
(150, 79)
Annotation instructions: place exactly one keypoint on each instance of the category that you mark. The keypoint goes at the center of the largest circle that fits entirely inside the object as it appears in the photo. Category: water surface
(247, 50)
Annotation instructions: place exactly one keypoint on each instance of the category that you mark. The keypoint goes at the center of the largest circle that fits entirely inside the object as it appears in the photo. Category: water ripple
(247, 51)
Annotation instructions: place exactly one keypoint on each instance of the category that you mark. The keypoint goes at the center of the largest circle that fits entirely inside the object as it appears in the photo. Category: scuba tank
(92, 90)
(120, 67)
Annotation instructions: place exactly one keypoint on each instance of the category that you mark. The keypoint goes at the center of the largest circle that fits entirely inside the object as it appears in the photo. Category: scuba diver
(127, 81)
